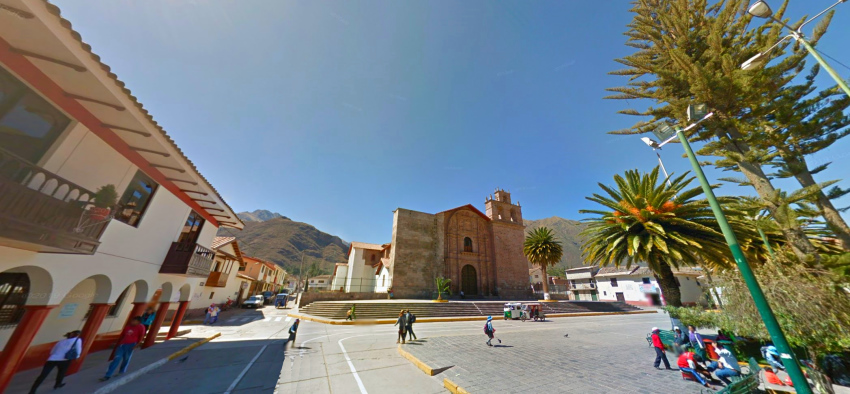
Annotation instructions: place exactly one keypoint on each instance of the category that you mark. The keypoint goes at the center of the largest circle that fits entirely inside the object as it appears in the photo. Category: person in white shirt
(61, 356)
(727, 366)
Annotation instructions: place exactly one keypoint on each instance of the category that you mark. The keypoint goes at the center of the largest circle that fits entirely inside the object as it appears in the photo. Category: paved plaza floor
(602, 354)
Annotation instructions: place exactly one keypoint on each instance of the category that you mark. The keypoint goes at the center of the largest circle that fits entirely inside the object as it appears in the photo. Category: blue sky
(335, 113)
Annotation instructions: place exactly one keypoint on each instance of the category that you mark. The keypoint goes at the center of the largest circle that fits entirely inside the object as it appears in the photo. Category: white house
(366, 270)
(222, 282)
(321, 282)
(582, 284)
(71, 132)
(637, 285)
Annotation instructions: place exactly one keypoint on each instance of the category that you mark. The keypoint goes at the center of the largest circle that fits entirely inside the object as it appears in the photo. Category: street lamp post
(666, 134)
(760, 9)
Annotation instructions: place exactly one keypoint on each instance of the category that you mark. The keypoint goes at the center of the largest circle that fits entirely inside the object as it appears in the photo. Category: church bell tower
(500, 208)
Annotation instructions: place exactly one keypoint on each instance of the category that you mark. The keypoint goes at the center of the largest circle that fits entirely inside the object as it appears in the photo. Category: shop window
(136, 199)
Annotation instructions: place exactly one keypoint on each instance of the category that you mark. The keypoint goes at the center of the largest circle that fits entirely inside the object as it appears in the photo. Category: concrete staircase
(390, 310)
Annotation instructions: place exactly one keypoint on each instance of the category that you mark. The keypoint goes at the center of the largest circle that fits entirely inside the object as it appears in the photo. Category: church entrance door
(469, 280)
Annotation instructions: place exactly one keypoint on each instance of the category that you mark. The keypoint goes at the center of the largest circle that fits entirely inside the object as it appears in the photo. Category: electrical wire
(832, 58)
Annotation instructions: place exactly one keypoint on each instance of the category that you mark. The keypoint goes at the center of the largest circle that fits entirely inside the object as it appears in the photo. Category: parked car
(253, 302)
(268, 297)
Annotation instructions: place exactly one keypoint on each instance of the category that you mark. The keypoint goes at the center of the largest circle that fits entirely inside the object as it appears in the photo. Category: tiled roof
(221, 241)
(364, 245)
(121, 85)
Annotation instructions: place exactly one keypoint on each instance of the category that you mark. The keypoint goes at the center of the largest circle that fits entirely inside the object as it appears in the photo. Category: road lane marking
(244, 371)
(278, 318)
(288, 318)
(268, 319)
(351, 365)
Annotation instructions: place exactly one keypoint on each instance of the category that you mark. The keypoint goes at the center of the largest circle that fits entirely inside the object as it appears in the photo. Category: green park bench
(667, 338)
(743, 384)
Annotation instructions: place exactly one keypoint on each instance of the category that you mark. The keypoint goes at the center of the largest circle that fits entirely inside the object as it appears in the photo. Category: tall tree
(689, 51)
(646, 220)
(543, 250)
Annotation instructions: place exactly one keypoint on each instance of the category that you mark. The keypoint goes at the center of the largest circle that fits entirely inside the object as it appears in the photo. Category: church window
(467, 244)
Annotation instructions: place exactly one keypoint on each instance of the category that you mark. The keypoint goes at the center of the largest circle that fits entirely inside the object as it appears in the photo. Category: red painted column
(138, 308)
(20, 341)
(88, 334)
(157, 323)
(178, 318)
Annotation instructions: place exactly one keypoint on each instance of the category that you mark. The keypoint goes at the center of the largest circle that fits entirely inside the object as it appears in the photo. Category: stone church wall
(511, 264)
(413, 254)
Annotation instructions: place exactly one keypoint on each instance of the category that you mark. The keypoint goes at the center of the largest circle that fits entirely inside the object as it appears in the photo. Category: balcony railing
(583, 286)
(188, 259)
(43, 212)
(217, 279)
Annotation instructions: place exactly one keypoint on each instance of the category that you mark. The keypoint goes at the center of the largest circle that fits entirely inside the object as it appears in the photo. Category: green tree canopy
(543, 250)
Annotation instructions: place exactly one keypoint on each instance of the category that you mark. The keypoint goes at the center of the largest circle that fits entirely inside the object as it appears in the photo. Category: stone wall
(511, 264)
(309, 297)
(413, 254)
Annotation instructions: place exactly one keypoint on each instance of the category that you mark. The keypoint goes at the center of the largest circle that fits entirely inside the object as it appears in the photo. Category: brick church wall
(413, 254)
(511, 264)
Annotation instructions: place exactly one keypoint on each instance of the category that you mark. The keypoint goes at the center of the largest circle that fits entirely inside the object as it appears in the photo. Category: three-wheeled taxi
(514, 310)
(534, 311)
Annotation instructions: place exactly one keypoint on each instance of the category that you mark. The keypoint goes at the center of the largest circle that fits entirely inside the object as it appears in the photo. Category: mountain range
(567, 232)
(276, 238)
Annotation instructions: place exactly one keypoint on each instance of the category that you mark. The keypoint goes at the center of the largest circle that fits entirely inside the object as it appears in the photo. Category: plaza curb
(136, 374)
(323, 320)
(453, 388)
(419, 364)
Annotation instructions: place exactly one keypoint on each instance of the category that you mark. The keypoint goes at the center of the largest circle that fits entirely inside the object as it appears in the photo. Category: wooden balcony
(189, 259)
(43, 212)
(217, 279)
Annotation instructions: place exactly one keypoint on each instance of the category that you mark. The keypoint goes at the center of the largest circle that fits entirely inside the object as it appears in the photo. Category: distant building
(581, 282)
(481, 253)
(321, 282)
(637, 285)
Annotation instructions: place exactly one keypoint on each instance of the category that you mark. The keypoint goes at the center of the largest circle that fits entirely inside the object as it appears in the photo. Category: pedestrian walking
(132, 336)
(411, 318)
(293, 330)
(147, 317)
(462, 296)
(350, 314)
(402, 326)
(61, 356)
(659, 350)
(490, 331)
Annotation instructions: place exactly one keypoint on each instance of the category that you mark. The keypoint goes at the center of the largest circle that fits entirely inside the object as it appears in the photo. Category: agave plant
(648, 220)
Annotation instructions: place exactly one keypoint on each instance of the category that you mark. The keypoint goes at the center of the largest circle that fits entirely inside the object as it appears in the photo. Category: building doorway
(655, 299)
(469, 280)
(594, 296)
(621, 297)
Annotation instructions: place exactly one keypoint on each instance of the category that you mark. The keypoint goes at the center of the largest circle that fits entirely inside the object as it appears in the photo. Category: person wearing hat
(771, 355)
(659, 350)
(61, 356)
(490, 331)
(680, 340)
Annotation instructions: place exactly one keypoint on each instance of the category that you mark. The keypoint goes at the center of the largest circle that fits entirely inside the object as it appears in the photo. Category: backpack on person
(487, 328)
(72, 354)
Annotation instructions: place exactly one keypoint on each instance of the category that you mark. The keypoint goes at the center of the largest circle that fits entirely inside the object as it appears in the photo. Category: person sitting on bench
(689, 363)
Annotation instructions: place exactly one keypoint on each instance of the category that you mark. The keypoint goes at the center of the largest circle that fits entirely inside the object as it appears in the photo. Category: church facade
(481, 252)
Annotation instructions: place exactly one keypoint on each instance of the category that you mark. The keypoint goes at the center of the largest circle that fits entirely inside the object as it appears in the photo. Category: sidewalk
(86, 380)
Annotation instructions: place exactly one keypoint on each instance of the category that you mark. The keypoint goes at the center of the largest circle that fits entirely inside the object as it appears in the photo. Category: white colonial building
(101, 214)
(637, 285)
(366, 270)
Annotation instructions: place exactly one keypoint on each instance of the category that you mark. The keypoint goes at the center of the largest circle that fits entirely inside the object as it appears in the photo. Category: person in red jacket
(132, 335)
(659, 350)
(689, 363)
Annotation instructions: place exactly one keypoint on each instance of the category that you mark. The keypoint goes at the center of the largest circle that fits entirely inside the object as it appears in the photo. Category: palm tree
(542, 249)
(650, 221)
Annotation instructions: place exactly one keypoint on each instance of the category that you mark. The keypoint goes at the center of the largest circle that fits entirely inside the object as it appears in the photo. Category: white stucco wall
(630, 286)
(341, 277)
(126, 254)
